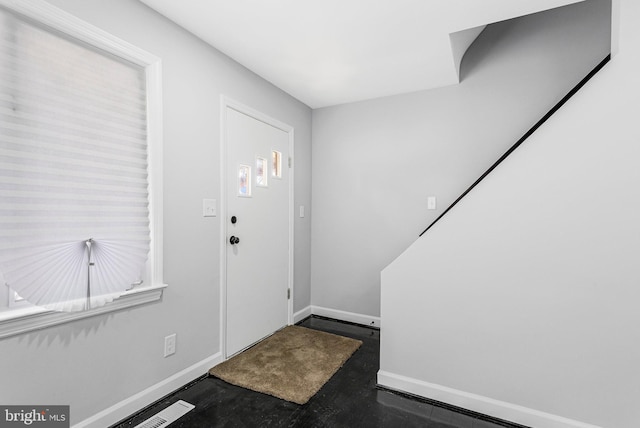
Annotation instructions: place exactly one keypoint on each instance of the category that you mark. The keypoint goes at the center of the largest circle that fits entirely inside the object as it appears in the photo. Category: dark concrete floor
(349, 399)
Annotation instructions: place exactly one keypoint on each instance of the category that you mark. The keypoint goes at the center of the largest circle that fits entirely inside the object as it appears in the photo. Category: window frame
(21, 319)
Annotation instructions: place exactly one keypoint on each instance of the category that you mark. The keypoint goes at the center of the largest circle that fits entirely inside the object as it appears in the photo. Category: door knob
(234, 240)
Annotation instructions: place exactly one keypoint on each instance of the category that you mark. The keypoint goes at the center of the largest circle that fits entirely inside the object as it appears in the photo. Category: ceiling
(338, 51)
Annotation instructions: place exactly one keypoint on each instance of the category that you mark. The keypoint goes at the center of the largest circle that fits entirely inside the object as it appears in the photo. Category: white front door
(258, 228)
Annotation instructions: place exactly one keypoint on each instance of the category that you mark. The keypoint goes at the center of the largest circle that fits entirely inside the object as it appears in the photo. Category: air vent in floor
(168, 415)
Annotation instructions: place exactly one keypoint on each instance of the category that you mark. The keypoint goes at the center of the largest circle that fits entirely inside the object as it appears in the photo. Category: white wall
(95, 363)
(375, 163)
(526, 293)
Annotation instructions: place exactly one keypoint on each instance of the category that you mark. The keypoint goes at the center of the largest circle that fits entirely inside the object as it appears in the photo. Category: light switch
(431, 203)
(301, 211)
(209, 207)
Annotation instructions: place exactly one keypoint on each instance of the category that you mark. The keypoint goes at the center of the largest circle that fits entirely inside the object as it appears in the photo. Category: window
(261, 172)
(276, 161)
(244, 181)
(80, 178)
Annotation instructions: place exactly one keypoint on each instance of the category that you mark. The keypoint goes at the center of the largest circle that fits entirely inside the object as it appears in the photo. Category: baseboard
(361, 319)
(133, 404)
(302, 314)
(477, 403)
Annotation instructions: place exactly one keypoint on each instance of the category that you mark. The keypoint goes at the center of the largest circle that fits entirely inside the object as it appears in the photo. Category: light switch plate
(209, 208)
(431, 203)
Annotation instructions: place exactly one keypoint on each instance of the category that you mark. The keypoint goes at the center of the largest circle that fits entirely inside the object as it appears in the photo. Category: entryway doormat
(292, 364)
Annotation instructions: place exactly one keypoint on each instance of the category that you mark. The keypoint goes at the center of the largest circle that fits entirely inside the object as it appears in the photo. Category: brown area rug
(292, 364)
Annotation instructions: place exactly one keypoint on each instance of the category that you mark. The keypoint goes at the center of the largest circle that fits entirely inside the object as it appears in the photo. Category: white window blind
(74, 198)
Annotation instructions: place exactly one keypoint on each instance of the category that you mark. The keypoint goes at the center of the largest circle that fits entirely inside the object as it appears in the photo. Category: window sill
(22, 321)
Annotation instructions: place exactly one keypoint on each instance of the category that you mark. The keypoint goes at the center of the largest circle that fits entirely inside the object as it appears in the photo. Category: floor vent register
(168, 415)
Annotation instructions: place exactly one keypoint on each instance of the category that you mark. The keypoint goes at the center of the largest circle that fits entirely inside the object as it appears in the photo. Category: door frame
(226, 103)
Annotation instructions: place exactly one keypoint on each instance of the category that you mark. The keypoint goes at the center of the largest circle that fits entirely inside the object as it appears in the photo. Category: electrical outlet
(170, 345)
